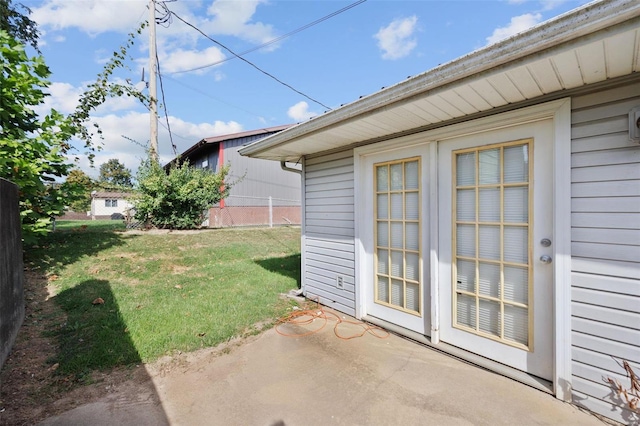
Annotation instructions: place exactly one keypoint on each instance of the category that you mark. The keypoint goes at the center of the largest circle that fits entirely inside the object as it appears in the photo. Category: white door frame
(560, 112)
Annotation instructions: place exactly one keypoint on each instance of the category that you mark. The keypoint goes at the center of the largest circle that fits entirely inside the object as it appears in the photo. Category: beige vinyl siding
(329, 230)
(605, 247)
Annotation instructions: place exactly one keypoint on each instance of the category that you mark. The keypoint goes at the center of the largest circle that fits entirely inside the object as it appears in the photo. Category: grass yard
(162, 292)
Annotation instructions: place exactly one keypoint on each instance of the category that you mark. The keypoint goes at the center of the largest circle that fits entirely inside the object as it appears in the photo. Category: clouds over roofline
(396, 39)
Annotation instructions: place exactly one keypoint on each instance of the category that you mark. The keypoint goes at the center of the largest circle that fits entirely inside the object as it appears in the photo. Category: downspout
(283, 165)
(220, 165)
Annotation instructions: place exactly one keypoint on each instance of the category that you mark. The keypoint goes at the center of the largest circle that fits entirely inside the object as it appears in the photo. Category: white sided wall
(98, 207)
(605, 243)
(329, 231)
(605, 248)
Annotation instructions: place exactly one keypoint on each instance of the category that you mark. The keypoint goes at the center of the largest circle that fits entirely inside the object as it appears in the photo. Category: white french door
(394, 233)
(495, 216)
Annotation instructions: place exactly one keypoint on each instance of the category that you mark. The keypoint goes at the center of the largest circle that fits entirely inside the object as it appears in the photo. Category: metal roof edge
(569, 26)
(222, 138)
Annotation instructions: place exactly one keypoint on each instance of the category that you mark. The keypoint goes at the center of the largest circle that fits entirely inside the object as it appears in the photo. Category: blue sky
(372, 45)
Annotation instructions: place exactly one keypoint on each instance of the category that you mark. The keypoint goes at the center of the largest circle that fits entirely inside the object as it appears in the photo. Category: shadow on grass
(94, 336)
(289, 266)
(63, 248)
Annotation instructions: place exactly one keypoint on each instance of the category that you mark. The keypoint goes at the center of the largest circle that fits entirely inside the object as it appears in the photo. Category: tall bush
(179, 198)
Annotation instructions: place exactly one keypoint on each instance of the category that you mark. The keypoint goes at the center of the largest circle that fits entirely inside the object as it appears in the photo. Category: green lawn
(162, 293)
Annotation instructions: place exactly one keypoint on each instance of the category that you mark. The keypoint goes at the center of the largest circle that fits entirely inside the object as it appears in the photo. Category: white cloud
(300, 112)
(551, 4)
(63, 97)
(180, 59)
(234, 18)
(120, 130)
(396, 39)
(91, 16)
(517, 25)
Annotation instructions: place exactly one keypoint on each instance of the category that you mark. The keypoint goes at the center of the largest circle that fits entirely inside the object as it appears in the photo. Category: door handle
(546, 259)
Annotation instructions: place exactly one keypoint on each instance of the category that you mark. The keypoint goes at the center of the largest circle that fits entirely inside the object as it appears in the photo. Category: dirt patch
(30, 389)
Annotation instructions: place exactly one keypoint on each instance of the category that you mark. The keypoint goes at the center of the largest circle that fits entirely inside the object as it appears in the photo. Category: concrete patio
(321, 379)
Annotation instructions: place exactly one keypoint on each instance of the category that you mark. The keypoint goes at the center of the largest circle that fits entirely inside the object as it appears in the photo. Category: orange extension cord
(308, 316)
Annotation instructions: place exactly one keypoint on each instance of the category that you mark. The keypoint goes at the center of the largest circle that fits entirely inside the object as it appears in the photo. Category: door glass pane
(466, 205)
(413, 297)
(412, 206)
(516, 324)
(489, 204)
(491, 232)
(396, 235)
(489, 317)
(382, 178)
(489, 242)
(516, 163)
(466, 240)
(383, 206)
(396, 263)
(466, 310)
(411, 175)
(397, 293)
(466, 276)
(383, 289)
(413, 267)
(397, 238)
(516, 204)
(383, 261)
(489, 281)
(396, 177)
(413, 236)
(516, 244)
(489, 163)
(383, 234)
(396, 206)
(516, 284)
(466, 169)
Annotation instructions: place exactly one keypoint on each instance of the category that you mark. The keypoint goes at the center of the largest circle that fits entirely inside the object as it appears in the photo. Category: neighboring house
(257, 184)
(104, 204)
(490, 207)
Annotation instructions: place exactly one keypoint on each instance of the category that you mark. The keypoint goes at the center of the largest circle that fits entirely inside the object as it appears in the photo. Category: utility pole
(153, 89)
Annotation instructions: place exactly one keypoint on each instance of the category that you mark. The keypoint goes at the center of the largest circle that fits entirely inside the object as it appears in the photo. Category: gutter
(572, 25)
(283, 166)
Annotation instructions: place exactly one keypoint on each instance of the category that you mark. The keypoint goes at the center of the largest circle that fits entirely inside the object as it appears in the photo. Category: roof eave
(570, 26)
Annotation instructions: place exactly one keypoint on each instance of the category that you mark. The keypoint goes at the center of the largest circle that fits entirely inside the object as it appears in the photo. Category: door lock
(545, 242)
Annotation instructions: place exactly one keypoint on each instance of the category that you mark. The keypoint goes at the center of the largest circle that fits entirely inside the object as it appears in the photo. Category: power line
(203, 93)
(164, 107)
(250, 63)
(277, 39)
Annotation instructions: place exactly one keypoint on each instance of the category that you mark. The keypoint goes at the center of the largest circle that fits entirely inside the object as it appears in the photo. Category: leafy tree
(34, 151)
(79, 186)
(18, 25)
(31, 149)
(113, 174)
(177, 199)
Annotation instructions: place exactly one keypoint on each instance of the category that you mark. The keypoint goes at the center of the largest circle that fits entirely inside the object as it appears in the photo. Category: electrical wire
(251, 63)
(203, 93)
(310, 315)
(277, 39)
(164, 107)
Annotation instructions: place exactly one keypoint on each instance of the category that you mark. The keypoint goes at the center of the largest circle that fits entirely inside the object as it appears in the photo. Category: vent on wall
(634, 124)
(340, 282)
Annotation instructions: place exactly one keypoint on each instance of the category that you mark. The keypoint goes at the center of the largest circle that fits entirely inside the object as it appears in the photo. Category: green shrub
(177, 199)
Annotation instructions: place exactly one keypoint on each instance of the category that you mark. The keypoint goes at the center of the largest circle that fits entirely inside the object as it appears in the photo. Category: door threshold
(480, 361)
